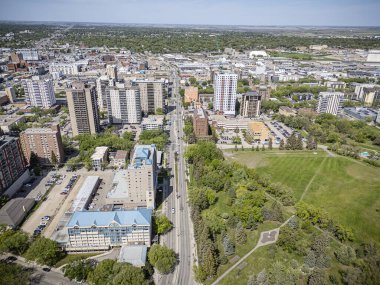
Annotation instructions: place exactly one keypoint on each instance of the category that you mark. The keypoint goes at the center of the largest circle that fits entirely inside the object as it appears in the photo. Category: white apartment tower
(39, 93)
(225, 85)
(123, 105)
(330, 102)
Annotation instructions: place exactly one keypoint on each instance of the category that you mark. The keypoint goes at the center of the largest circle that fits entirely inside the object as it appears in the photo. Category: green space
(73, 257)
(347, 189)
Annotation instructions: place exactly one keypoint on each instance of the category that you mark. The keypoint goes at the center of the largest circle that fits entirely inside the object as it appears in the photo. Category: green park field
(347, 189)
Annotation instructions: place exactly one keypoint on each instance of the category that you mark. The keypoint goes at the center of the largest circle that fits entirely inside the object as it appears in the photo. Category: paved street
(181, 237)
(53, 277)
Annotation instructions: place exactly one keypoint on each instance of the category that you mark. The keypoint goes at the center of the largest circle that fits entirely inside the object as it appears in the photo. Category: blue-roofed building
(102, 230)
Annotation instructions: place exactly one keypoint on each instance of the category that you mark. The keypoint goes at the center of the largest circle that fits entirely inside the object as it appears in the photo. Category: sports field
(347, 189)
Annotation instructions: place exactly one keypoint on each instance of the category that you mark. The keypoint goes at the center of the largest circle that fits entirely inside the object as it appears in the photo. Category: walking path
(312, 179)
(267, 237)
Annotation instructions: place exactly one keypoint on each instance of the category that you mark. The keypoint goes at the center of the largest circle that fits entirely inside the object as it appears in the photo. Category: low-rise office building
(102, 230)
(153, 122)
(84, 196)
(258, 132)
(99, 157)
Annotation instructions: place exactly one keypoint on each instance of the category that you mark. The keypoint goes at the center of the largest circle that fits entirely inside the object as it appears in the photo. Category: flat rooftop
(84, 194)
(119, 185)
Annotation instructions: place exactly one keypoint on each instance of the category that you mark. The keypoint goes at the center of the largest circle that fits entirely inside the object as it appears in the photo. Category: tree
(162, 258)
(16, 242)
(54, 159)
(78, 270)
(345, 255)
(44, 251)
(263, 147)
(192, 80)
(129, 275)
(13, 274)
(317, 277)
(257, 148)
(228, 245)
(162, 224)
(102, 274)
(270, 144)
(240, 235)
(282, 145)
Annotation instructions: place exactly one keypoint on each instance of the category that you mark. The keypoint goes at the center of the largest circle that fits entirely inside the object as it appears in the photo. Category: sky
(208, 12)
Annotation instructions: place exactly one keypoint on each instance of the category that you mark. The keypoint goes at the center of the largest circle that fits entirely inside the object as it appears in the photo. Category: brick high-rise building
(200, 123)
(250, 105)
(42, 142)
(83, 108)
(12, 163)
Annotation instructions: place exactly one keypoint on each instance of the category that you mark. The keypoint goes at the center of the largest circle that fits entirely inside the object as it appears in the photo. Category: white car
(173, 210)
(43, 223)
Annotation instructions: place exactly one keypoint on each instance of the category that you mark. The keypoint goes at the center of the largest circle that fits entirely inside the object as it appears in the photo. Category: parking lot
(279, 131)
(62, 217)
(57, 203)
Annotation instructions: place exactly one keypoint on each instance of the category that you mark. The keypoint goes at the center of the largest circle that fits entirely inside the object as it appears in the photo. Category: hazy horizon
(323, 13)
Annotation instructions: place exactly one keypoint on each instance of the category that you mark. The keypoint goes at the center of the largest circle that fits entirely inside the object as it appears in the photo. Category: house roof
(13, 212)
(140, 217)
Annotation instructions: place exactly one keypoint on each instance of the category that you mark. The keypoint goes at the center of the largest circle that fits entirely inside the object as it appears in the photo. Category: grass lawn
(348, 190)
(73, 257)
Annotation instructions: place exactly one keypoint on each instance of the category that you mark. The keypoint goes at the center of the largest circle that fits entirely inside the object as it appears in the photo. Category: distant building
(43, 142)
(136, 186)
(151, 95)
(250, 105)
(287, 111)
(120, 158)
(258, 53)
(200, 123)
(123, 105)
(153, 122)
(102, 230)
(3, 98)
(264, 92)
(373, 56)
(258, 132)
(7, 122)
(111, 71)
(302, 96)
(225, 85)
(64, 68)
(335, 85)
(330, 102)
(361, 113)
(39, 93)
(99, 157)
(10, 91)
(29, 54)
(191, 94)
(83, 108)
(12, 163)
(14, 211)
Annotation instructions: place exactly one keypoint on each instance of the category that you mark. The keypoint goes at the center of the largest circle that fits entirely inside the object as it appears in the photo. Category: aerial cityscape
(189, 142)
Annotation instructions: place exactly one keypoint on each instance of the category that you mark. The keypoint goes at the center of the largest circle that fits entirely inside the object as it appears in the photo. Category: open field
(347, 189)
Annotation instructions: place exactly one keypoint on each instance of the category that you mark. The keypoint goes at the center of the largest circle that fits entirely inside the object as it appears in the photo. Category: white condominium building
(101, 230)
(225, 85)
(123, 105)
(330, 102)
(64, 68)
(39, 93)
